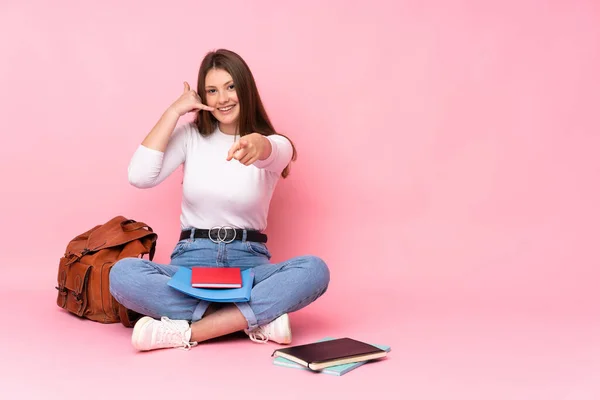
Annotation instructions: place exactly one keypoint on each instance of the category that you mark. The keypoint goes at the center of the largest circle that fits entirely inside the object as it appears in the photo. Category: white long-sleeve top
(216, 192)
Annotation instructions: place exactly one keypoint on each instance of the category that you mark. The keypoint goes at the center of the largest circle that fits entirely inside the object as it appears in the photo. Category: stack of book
(329, 355)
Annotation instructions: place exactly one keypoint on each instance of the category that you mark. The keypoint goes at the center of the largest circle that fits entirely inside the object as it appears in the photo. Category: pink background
(447, 172)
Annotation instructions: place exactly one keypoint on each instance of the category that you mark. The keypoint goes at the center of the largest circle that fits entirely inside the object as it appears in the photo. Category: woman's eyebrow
(225, 84)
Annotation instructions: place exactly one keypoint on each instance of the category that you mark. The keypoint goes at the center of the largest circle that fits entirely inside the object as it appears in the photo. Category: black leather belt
(225, 234)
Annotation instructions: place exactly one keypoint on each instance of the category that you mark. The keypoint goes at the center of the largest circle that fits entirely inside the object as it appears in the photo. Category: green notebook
(337, 370)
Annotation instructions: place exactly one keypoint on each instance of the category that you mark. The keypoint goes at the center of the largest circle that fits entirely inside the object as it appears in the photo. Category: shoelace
(259, 335)
(173, 333)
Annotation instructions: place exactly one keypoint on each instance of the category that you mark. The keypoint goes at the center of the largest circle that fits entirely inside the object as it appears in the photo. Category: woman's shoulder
(187, 128)
(188, 132)
(182, 130)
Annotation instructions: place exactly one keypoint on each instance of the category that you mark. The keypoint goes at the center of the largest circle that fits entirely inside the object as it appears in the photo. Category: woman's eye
(210, 91)
(231, 87)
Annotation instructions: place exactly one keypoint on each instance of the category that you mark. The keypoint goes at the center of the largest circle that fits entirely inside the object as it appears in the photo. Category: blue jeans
(141, 285)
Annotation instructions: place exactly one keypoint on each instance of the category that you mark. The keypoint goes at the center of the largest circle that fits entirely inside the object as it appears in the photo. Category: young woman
(232, 160)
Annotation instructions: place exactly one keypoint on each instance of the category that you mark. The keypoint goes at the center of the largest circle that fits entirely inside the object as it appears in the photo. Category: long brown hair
(252, 116)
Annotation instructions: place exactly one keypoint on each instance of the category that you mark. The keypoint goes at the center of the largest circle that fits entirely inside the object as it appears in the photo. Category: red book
(216, 277)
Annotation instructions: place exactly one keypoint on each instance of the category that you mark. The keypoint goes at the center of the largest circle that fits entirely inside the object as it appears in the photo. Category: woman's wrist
(266, 148)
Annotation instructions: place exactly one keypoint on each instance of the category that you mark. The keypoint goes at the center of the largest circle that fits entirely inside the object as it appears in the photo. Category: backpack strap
(128, 317)
(124, 316)
(131, 225)
(152, 251)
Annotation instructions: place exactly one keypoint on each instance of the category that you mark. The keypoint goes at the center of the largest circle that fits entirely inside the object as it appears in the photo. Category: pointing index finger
(235, 147)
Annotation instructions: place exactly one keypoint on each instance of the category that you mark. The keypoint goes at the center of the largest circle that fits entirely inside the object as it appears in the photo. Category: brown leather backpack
(83, 271)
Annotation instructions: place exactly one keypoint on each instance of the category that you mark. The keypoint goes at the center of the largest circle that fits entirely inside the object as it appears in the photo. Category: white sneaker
(278, 331)
(151, 334)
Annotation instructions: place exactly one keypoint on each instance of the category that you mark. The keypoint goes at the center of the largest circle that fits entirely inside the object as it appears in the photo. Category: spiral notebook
(182, 281)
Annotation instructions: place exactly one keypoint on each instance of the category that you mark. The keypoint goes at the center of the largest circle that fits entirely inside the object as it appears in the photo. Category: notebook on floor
(182, 281)
(337, 370)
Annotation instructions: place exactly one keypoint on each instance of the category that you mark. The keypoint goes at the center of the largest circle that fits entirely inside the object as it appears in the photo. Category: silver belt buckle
(220, 239)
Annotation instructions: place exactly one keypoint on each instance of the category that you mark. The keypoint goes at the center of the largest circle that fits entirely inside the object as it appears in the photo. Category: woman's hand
(250, 148)
(189, 101)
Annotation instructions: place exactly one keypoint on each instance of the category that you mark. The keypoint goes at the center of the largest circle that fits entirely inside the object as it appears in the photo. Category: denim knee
(120, 274)
(318, 271)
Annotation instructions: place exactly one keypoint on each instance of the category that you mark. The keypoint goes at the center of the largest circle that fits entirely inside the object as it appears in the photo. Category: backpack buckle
(62, 290)
(77, 297)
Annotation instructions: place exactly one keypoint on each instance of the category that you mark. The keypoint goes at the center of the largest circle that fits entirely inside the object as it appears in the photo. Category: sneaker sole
(137, 330)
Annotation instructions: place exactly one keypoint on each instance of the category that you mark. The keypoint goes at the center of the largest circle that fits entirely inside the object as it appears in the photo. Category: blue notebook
(337, 370)
(182, 281)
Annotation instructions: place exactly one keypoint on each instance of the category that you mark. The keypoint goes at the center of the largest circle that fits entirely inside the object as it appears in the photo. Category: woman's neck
(229, 129)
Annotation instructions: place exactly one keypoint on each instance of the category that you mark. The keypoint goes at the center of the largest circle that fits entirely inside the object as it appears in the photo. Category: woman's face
(221, 94)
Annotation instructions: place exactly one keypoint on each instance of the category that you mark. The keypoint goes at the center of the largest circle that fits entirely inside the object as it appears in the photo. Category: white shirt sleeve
(149, 167)
(280, 157)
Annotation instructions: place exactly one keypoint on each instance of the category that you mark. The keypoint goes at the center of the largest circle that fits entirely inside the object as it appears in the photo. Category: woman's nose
(223, 97)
